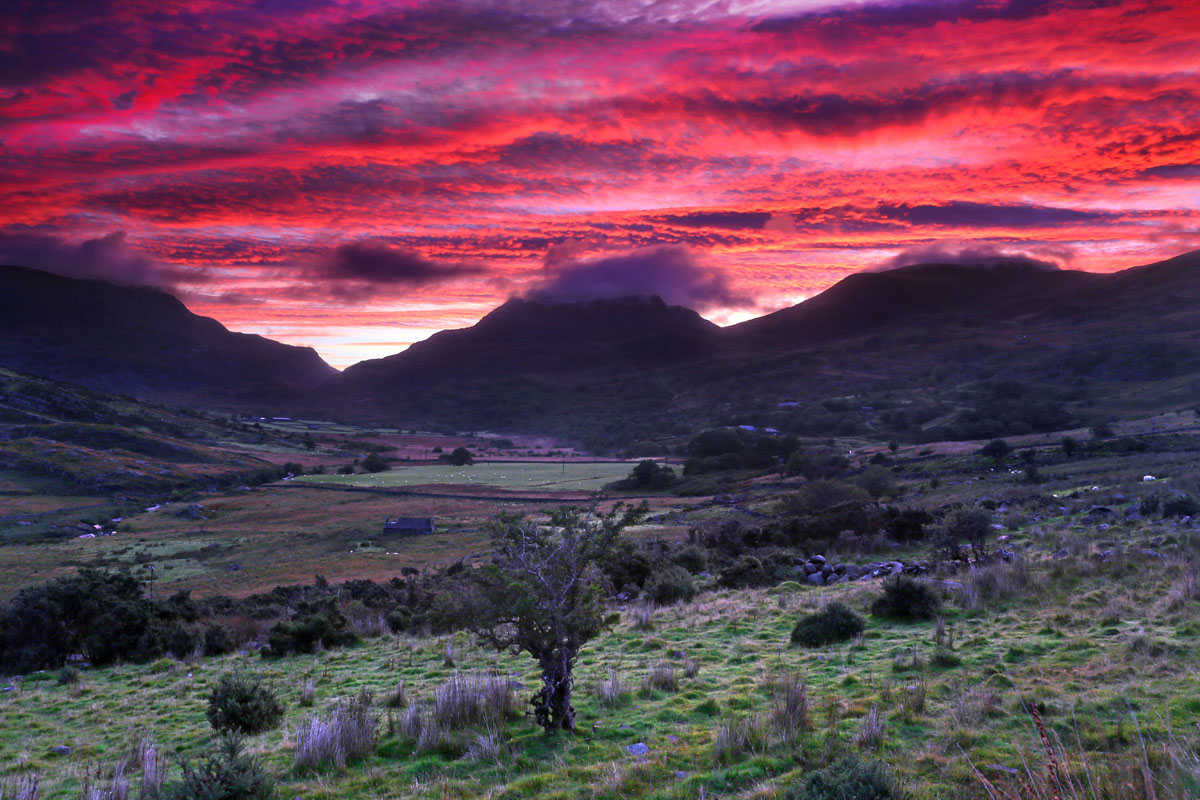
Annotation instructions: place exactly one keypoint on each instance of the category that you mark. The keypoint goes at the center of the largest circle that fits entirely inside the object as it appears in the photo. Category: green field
(1107, 659)
(525, 475)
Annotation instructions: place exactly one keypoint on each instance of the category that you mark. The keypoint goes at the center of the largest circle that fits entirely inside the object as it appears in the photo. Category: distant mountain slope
(613, 371)
(141, 342)
(528, 360)
(865, 301)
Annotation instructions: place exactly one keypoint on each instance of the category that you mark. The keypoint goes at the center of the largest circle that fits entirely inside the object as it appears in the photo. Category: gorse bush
(670, 585)
(849, 778)
(906, 598)
(318, 625)
(834, 623)
(227, 774)
(243, 705)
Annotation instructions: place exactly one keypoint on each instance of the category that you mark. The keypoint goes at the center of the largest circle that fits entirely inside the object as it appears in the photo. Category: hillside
(141, 342)
(930, 337)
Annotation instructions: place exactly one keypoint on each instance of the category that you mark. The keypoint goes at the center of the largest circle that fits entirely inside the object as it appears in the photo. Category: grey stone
(811, 568)
(817, 559)
(637, 749)
(60, 750)
(815, 579)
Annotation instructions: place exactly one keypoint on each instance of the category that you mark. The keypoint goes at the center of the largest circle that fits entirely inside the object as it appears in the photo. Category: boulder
(637, 749)
(60, 750)
(817, 559)
(816, 579)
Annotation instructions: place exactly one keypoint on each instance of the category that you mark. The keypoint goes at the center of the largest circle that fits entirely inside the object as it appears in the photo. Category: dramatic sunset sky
(355, 175)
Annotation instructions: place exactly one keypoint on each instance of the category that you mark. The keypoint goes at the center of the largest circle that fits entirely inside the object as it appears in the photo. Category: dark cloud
(376, 262)
(669, 272)
(733, 220)
(965, 214)
(109, 258)
(977, 254)
(1184, 171)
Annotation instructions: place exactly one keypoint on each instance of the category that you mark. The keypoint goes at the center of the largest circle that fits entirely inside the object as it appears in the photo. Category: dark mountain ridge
(141, 342)
(634, 367)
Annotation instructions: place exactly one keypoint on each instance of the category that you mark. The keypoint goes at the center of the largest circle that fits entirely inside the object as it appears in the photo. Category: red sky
(356, 175)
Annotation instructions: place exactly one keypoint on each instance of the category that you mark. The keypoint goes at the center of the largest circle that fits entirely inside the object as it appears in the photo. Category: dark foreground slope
(141, 342)
(613, 371)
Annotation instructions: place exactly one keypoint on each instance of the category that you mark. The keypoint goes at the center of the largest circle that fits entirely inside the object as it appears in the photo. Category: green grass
(527, 476)
(1049, 647)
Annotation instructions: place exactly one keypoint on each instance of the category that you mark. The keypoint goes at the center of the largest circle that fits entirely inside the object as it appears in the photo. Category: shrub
(996, 449)
(692, 558)
(347, 734)
(69, 675)
(1181, 505)
(397, 696)
(670, 585)
(227, 774)
(849, 778)
(972, 526)
(317, 625)
(745, 572)
(375, 463)
(400, 619)
(218, 640)
(242, 705)
(834, 623)
(905, 598)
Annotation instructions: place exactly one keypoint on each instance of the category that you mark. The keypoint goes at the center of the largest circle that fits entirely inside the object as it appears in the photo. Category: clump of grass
(473, 699)
(69, 675)
(154, 768)
(23, 787)
(643, 617)
(346, 734)
(910, 659)
(308, 693)
(485, 745)
(396, 697)
(738, 737)
(790, 711)
(913, 701)
(870, 730)
(995, 584)
(111, 787)
(662, 676)
(612, 691)
(691, 668)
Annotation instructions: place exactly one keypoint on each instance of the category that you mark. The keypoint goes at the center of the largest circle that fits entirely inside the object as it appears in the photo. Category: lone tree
(543, 594)
(460, 457)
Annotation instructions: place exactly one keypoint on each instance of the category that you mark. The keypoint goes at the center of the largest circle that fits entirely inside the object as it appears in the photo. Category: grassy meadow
(518, 475)
(1105, 652)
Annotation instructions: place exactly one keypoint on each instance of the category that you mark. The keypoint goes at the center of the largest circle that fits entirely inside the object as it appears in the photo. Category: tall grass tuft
(154, 768)
(308, 693)
(790, 712)
(662, 677)
(396, 697)
(115, 787)
(643, 617)
(994, 584)
(24, 787)
(473, 699)
(612, 691)
(738, 737)
(486, 745)
(346, 734)
(870, 731)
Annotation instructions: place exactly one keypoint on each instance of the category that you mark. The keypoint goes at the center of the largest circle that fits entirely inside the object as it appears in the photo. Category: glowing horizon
(356, 176)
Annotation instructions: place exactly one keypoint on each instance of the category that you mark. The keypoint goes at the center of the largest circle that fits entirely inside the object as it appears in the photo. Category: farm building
(408, 526)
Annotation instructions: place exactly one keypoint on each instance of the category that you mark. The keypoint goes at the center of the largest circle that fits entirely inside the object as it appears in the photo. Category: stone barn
(408, 526)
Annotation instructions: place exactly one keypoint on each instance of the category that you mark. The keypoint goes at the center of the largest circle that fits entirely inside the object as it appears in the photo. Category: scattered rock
(60, 750)
(637, 749)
